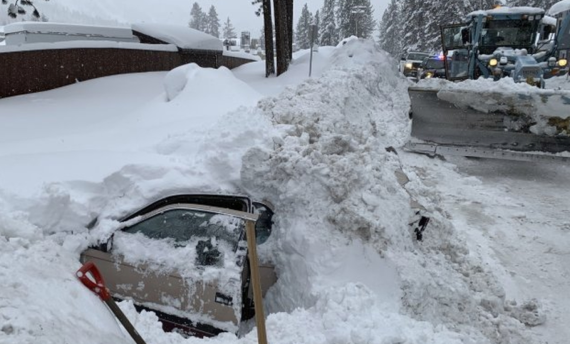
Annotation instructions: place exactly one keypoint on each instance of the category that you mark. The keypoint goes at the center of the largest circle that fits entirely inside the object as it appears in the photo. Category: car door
(205, 287)
(456, 42)
(263, 229)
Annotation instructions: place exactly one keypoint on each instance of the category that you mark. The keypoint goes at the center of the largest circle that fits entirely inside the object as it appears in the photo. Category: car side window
(264, 223)
(184, 225)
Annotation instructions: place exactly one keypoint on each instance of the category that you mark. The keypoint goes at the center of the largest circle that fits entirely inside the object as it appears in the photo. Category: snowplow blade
(503, 127)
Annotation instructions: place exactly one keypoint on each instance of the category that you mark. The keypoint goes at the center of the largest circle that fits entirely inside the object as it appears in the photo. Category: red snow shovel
(97, 285)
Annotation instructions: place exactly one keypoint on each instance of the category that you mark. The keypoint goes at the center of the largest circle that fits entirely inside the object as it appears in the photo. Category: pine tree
(197, 18)
(544, 4)
(317, 23)
(356, 18)
(228, 31)
(212, 26)
(18, 8)
(302, 33)
(327, 27)
(342, 18)
(391, 29)
(477, 5)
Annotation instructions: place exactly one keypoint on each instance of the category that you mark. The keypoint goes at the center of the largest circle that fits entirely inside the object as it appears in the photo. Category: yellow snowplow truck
(498, 115)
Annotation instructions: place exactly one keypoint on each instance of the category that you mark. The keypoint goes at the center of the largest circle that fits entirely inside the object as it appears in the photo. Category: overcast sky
(240, 12)
(243, 17)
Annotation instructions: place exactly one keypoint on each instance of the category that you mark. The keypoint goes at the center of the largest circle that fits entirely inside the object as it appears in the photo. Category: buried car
(185, 257)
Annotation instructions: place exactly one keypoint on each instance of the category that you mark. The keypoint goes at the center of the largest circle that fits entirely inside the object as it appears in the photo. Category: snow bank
(243, 55)
(336, 186)
(39, 286)
(194, 82)
(324, 153)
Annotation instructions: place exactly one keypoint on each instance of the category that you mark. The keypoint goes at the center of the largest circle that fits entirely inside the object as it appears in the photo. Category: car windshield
(434, 64)
(417, 56)
(508, 33)
(184, 225)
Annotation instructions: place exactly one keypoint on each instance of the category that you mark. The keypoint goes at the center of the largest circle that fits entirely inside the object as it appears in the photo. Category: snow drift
(325, 153)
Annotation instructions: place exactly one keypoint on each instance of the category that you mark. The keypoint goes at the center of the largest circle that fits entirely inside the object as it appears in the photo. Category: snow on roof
(507, 10)
(182, 36)
(69, 29)
(559, 7)
(86, 44)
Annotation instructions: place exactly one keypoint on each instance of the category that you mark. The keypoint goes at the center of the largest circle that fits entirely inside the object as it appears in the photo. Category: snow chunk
(182, 36)
(193, 80)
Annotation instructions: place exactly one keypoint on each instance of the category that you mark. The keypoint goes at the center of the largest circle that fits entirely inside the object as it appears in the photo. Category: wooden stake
(256, 282)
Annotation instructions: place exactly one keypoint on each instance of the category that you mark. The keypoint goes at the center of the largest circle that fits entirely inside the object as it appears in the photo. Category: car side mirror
(107, 245)
(465, 36)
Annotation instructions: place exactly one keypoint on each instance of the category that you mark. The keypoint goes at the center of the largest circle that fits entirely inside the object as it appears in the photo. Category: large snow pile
(337, 184)
(324, 152)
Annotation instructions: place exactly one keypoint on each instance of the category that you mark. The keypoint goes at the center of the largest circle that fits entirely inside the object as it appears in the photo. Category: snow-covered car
(411, 62)
(185, 258)
(433, 67)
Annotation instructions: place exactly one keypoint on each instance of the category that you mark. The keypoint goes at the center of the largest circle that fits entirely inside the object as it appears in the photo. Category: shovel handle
(98, 285)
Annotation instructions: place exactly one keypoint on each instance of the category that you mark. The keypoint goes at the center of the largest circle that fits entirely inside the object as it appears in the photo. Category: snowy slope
(350, 269)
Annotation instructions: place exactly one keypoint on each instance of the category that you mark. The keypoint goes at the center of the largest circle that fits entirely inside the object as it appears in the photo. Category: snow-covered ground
(493, 266)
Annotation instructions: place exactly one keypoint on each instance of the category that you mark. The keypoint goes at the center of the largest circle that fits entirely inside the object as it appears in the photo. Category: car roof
(239, 203)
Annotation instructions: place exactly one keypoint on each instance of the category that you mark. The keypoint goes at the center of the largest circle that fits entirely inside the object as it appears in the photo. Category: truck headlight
(562, 62)
(493, 62)
(551, 61)
(409, 65)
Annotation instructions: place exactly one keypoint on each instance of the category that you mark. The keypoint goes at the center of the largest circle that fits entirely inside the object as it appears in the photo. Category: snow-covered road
(523, 217)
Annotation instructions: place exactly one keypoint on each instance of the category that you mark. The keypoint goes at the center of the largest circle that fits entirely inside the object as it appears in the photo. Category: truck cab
(498, 43)
(411, 62)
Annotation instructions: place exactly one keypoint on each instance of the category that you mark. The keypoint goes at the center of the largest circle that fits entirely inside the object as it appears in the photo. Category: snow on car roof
(559, 7)
(70, 29)
(507, 10)
(183, 36)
